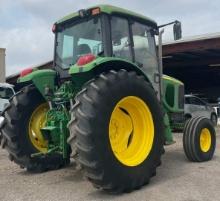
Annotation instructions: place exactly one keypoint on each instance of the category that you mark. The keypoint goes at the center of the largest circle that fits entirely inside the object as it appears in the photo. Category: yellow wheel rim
(131, 131)
(36, 122)
(205, 140)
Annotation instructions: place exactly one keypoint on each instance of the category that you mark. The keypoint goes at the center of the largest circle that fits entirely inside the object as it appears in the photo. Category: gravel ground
(177, 180)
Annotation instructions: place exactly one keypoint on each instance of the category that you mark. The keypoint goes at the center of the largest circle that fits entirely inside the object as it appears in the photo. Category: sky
(25, 25)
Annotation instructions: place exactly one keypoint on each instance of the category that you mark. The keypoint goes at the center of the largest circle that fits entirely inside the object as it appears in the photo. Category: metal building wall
(2, 65)
(196, 62)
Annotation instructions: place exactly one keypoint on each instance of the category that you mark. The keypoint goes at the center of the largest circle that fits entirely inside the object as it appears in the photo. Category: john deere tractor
(106, 103)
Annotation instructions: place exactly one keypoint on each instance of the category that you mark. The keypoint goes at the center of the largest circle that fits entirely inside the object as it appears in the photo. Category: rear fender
(41, 79)
(100, 65)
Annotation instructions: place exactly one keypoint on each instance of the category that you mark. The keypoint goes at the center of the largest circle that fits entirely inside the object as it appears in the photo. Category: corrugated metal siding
(2, 65)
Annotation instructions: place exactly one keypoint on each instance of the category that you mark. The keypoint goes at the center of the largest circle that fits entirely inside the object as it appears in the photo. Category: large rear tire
(118, 125)
(21, 135)
(199, 139)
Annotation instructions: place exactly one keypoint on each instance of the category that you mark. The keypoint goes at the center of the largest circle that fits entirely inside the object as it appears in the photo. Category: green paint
(108, 9)
(99, 62)
(57, 118)
(168, 132)
(41, 79)
(65, 92)
(170, 94)
(56, 131)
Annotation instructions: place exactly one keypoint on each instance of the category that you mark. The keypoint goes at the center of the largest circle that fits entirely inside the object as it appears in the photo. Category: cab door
(145, 55)
(134, 41)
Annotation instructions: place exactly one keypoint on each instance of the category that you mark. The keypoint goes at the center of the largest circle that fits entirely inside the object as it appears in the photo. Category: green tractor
(106, 103)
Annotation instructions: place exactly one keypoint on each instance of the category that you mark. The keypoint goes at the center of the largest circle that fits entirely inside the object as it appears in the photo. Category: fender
(103, 64)
(41, 79)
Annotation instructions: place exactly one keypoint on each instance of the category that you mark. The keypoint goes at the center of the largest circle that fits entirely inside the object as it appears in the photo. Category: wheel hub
(36, 122)
(131, 131)
(205, 140)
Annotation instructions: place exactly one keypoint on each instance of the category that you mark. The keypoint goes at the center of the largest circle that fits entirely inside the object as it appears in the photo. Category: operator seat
(83, 49)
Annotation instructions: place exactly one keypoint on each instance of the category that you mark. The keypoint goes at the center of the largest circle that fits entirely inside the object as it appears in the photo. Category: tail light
(85, 59)
(26, 72)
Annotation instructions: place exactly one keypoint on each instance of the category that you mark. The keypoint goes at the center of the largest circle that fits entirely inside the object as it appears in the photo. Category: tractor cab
(103, 32)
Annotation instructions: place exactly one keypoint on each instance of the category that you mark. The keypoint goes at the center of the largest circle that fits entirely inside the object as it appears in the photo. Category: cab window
(144, 49)
(120, 38)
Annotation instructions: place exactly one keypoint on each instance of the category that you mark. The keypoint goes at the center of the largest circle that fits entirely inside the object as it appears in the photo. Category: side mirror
(177, 30)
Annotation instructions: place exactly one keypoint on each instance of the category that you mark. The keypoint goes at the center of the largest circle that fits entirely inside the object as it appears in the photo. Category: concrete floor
(177, 180)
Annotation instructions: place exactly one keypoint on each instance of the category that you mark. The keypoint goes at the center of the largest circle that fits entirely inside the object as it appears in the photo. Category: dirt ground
(177, 180)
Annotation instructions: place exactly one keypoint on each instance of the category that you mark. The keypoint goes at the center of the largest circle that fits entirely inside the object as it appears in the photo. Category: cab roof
(108, 9)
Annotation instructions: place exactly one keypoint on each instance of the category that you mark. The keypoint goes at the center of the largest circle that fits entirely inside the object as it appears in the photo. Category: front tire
(25, 113)
(118, 124)
(199, 139)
